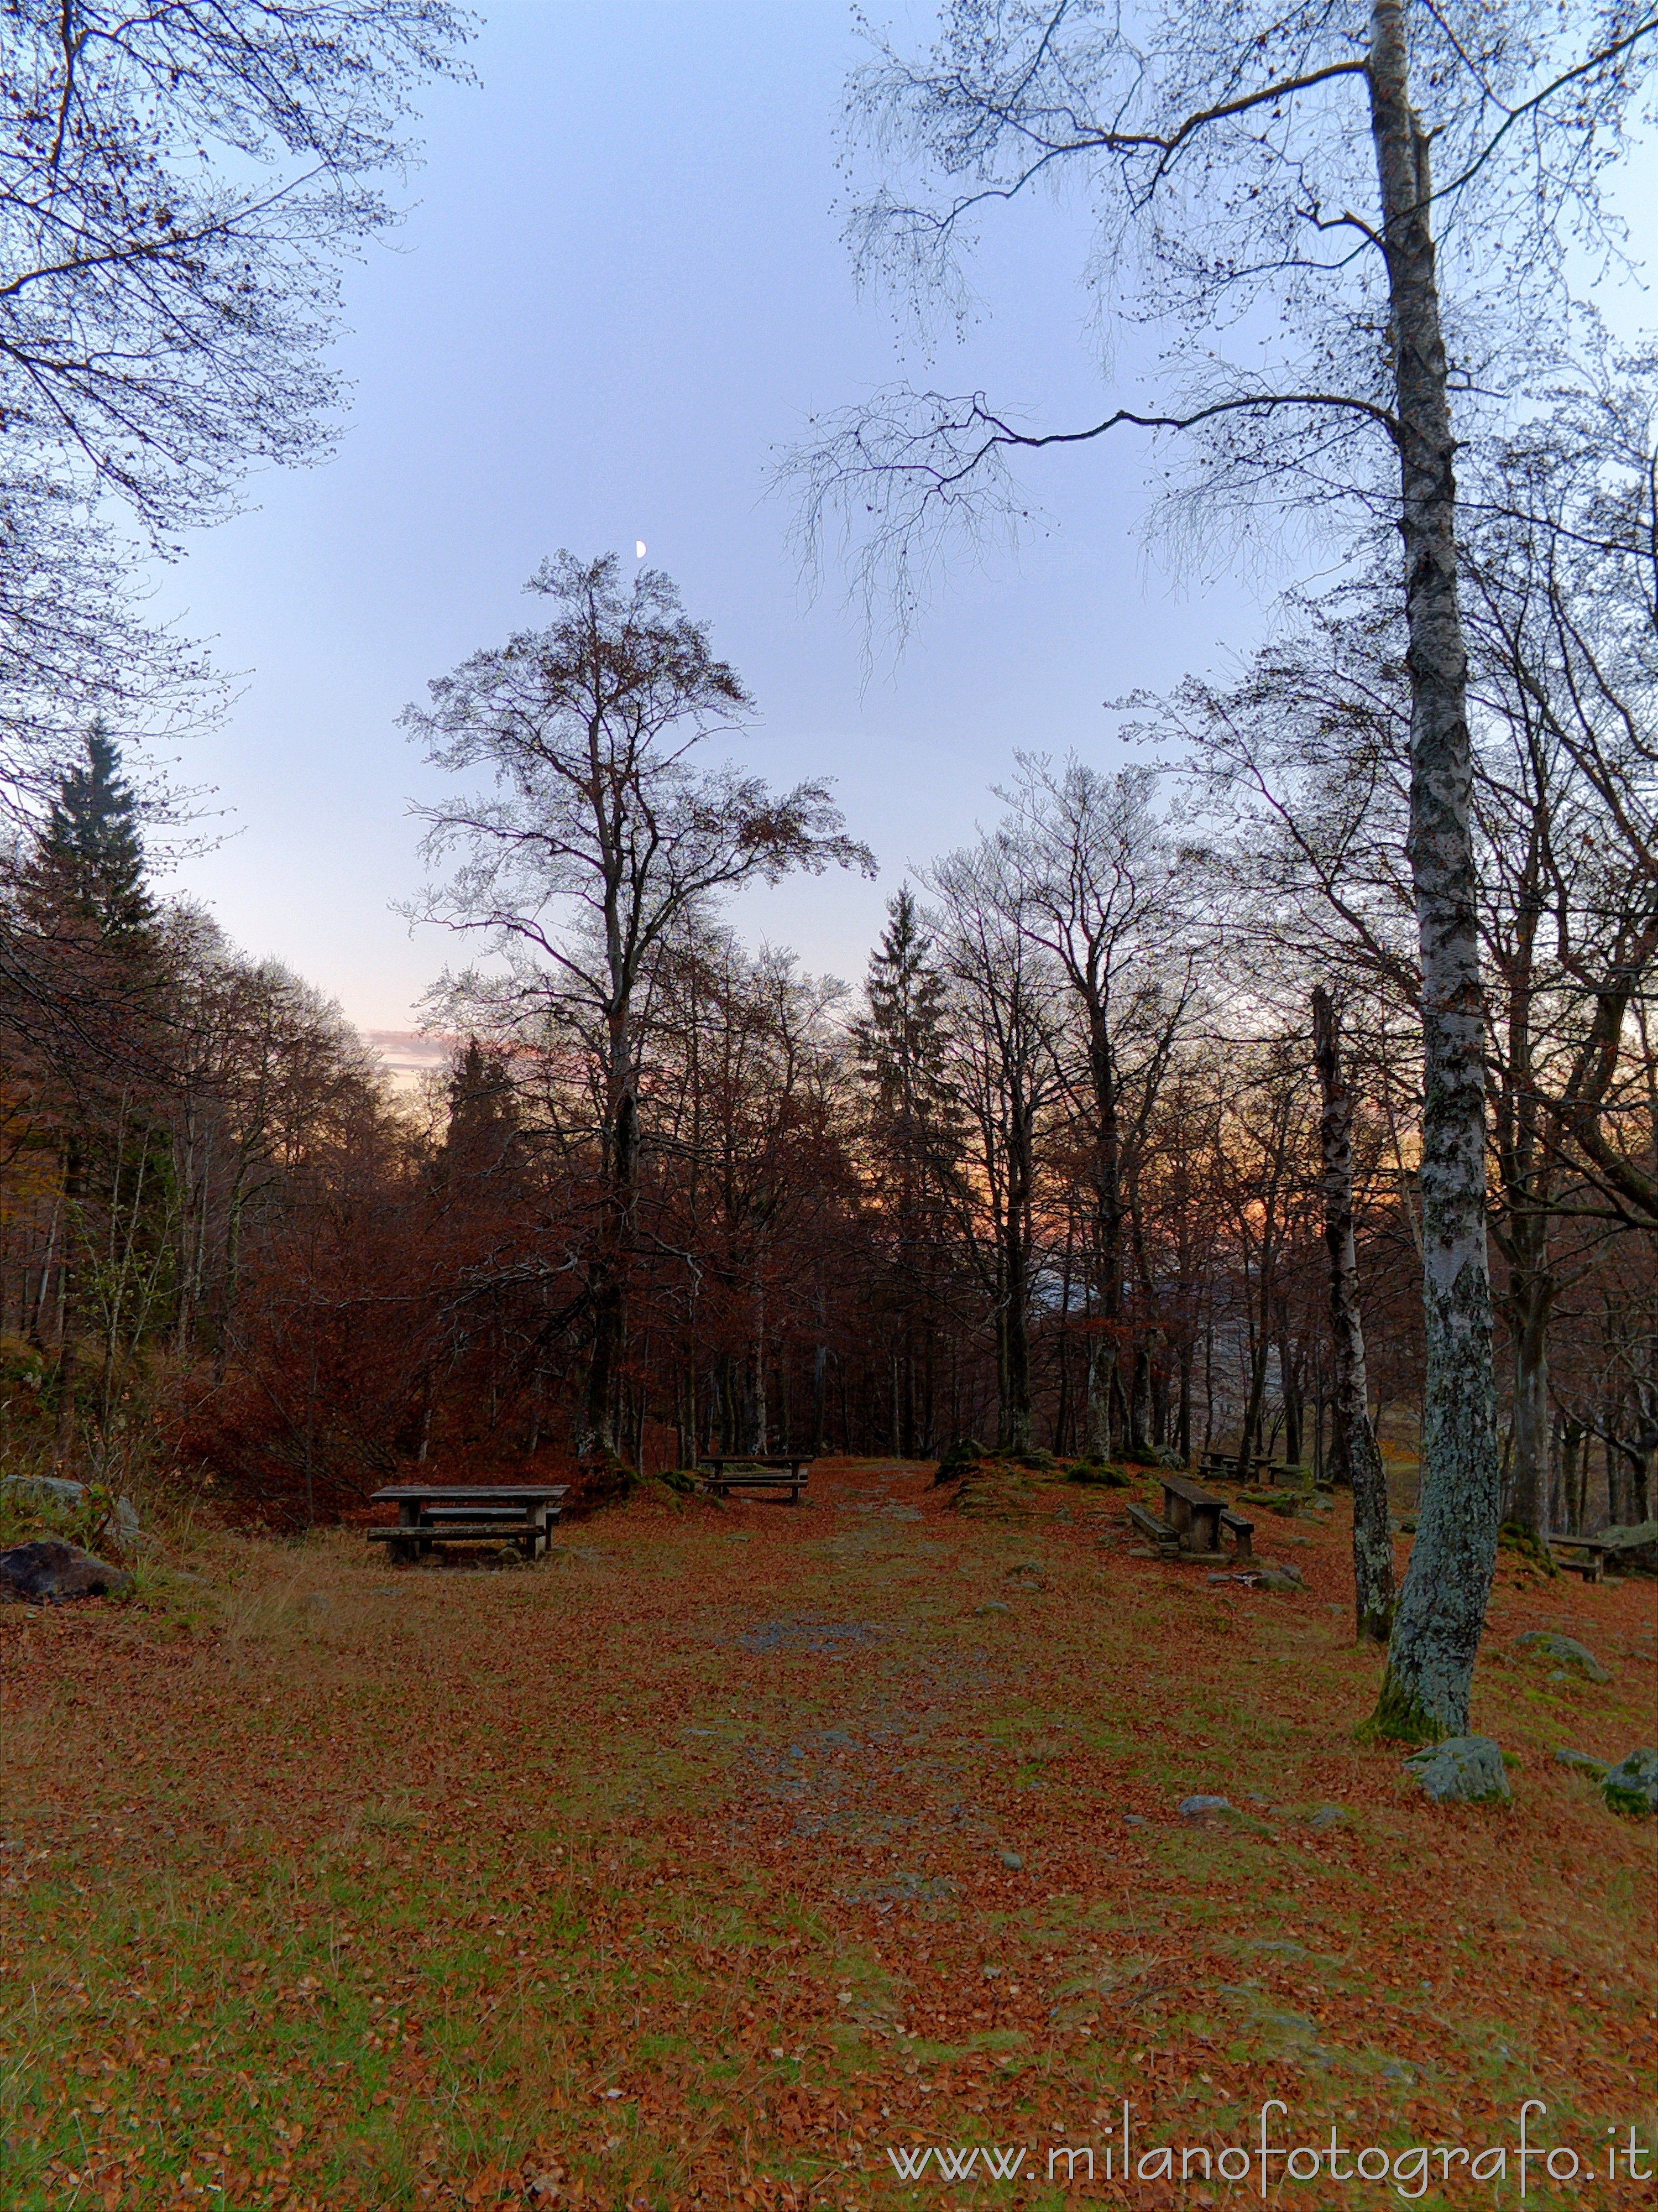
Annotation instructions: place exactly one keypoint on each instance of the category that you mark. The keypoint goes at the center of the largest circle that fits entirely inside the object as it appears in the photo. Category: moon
(639, 548)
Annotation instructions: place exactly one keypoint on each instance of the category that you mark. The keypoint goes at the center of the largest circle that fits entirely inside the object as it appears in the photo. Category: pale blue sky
(621, 290)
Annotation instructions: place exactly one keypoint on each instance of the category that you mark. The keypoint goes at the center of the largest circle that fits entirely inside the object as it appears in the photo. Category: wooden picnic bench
(1166, 1539)
(1193, 1513)
(1191, 1524)
(752, 1471)
(1592, 1567)
(469, 1513)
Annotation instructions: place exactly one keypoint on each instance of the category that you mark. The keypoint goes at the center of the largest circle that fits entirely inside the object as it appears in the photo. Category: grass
(682, 1870)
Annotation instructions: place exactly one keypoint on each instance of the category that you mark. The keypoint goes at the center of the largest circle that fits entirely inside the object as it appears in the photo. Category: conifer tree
(90, 856)
(902, 1050)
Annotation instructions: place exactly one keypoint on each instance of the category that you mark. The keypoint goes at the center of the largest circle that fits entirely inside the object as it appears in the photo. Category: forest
(1049, 1176)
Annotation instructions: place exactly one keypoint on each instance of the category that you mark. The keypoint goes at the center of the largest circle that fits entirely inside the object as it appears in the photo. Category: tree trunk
(1442, 1610)
(1531, 1301)
(1358, 1462)
(68, 1299)
(1108, 1235)
(607, 1276)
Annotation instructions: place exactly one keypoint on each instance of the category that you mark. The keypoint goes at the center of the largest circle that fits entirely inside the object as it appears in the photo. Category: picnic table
(1191, 1522)
(469, 1513)
(1593, 1564)
(1231, 1467)
(755, 1471)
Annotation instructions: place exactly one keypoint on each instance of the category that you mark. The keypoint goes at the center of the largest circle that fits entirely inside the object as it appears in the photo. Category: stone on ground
(1463, 1770)
(50, 1573)
(1631, 1786)
(55, 1491)
(1582, 1762)
(1566, 1650)
(1205, 1808)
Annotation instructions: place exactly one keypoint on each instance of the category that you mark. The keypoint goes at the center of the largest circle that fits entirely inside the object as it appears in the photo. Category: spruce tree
(914, 1134)
(90, 857)
(901, 1043)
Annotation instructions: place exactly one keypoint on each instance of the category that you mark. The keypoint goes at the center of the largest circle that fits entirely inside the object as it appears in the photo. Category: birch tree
(1319, 311)
(1358, 1458)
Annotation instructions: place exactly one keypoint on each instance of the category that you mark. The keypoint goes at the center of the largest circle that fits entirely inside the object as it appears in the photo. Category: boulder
(1582, 1763)
(1463, 1770)
(1635, 1546)
(1631, 1786)
(1565, 1651)
(50, 1572)
(1328, 1816)
(57, 1493)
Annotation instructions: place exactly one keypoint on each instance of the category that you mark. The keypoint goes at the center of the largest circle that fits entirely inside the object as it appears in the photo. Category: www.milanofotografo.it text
(1272, 2161)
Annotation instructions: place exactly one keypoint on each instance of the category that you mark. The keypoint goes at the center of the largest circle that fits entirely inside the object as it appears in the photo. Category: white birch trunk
(1442, 1608)
(1357, 1456)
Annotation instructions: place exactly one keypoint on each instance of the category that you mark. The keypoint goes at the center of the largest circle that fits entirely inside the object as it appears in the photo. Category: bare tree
(1097, 886)
(176, 185)
(598, 838)
(1224, 149)
(1002, 1002)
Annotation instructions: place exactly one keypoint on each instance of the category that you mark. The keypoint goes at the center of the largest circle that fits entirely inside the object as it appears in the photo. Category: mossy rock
(1564, 1652)
(1631, 1786)
(1286, 1503)
(1098, 1471)
(1468, 1770)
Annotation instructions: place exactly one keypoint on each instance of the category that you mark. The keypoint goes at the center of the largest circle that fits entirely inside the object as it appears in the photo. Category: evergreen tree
(902, 1050)
(484, 1114)
(90, 857)
(901, 1043)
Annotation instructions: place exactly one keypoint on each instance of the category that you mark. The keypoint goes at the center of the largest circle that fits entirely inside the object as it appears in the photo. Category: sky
(620, 294)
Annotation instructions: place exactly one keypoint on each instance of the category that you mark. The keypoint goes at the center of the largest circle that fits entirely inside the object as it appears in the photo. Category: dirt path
(733, 1848)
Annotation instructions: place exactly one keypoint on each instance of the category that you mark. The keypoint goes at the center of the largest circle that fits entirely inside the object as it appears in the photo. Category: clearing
(734, 1844)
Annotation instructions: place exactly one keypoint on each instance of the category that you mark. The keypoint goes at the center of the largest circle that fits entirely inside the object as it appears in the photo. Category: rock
(1328, 1816)
(1582, 1761)
(995, 1605)
(50, 1572)
(1206, 1808)
(1548, 1643)
(1278, 1578)
(1133, 1820)
(1463, 1770)
(1011, 1859)
(1637, 1545)
(1631, 1786)
(57, 1492)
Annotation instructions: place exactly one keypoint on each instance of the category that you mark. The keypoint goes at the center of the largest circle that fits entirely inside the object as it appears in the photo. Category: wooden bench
(518, 1513)
(747, 1472)
(1593, 1568)
(1241, 1533)
(1166, 1539)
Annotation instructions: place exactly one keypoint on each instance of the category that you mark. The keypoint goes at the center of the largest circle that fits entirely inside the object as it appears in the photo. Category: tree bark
(1358, 1461)
(1437, 1628)
(1531, 1300)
